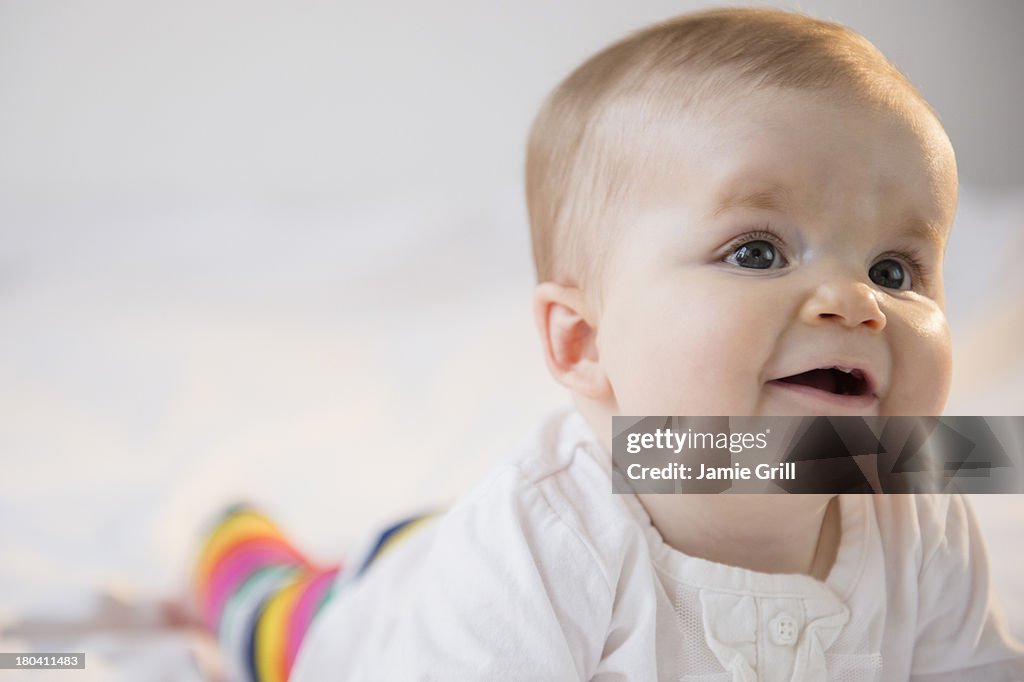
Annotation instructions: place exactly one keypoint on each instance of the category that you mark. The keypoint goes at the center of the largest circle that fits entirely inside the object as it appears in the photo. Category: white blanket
(339, 367)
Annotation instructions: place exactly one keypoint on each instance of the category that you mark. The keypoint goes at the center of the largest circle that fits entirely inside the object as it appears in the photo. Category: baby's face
(785, 259)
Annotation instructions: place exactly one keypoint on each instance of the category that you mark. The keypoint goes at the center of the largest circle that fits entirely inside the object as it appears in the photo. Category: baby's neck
(765, 533)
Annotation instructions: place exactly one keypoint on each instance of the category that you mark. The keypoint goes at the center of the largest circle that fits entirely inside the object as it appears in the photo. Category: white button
(784, 629)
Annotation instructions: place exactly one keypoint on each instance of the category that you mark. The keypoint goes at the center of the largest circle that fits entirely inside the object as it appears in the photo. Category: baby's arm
(501, 589)
(961, 632)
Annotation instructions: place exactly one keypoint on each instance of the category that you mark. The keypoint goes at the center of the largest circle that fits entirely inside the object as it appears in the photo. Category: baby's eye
(757, 254)
(890, 274)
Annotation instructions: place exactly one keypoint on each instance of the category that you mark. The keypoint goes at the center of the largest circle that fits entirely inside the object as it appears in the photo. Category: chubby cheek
(683, 360)
(922, 365)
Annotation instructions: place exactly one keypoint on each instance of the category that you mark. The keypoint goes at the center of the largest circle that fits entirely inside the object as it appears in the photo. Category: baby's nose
(846, 302)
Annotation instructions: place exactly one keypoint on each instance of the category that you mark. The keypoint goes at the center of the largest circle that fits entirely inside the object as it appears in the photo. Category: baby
(720, 205)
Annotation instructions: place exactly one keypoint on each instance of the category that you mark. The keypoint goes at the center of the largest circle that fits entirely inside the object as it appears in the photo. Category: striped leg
(258, 594)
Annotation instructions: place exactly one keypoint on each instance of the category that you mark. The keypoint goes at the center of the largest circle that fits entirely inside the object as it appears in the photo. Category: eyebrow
(771, 199)
(920, 229)
(776, 197)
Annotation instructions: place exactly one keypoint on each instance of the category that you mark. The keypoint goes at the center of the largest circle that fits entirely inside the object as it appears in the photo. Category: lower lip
(836, 399)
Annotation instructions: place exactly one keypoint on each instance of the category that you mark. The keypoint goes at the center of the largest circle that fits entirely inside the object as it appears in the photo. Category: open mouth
(836, 380)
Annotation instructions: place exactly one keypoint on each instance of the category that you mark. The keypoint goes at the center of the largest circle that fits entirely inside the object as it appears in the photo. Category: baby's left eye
(890, 273)
(756, 254)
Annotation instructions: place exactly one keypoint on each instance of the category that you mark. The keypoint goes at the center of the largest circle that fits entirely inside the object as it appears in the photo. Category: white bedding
(340, 367)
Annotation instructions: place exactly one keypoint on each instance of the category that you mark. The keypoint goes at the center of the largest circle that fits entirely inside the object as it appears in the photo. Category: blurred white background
(278, 251)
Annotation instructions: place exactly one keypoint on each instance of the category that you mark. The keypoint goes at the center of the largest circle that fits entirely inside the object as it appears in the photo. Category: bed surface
(157, 363)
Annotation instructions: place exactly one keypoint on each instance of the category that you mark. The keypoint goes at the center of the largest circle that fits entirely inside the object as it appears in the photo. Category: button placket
(784, 629)
(780, 631)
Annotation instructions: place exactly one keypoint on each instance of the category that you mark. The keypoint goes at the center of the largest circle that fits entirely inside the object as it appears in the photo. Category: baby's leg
(258, 594)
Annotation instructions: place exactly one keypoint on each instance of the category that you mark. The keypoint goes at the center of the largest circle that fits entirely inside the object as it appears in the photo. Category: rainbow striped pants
(259, 595)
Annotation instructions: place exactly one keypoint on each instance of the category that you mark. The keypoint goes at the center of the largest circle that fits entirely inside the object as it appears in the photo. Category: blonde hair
(584, 143)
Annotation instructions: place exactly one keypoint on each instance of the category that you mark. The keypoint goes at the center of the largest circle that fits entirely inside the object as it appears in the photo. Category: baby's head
(730, 212)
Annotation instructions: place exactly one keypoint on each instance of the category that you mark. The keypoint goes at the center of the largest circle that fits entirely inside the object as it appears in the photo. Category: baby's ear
(568, 334)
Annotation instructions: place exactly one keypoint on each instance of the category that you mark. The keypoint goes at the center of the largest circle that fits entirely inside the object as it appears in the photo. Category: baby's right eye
(757, 254)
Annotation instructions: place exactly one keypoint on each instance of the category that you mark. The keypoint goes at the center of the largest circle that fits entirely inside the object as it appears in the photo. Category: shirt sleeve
(961, 634)
(509, 591)
(505, 589)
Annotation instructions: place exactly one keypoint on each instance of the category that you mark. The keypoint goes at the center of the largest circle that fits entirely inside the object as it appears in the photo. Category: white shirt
(541, 573)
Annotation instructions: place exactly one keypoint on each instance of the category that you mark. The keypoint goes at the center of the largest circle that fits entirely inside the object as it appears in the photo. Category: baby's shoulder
(926, 527)
(554, 491)
(558, 464)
